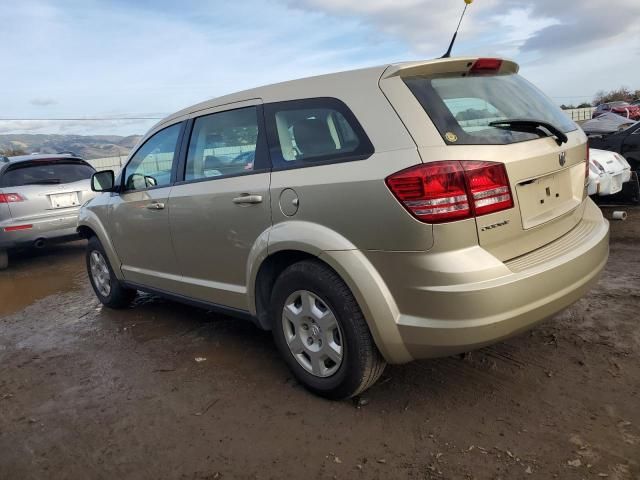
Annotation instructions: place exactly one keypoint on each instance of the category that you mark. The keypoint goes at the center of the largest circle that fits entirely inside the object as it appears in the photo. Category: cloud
(588, 24)
(42, 102)
(119, 57)
(113, 58)
(515, 26)
(76, 127)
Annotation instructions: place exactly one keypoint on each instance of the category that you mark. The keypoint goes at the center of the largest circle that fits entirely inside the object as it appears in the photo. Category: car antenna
(453, 40)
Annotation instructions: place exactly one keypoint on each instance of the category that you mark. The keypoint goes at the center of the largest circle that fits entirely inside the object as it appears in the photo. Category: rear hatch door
(451, 108)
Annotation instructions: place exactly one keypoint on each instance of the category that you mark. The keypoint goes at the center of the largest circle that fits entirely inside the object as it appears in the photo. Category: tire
(116, 295)
(4, 259)
(360, 363)
(634, 182)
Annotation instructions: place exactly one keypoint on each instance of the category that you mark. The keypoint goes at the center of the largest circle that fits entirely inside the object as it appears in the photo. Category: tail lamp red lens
(486, 65)
(11, 197)
(17, 228)
(452, 190)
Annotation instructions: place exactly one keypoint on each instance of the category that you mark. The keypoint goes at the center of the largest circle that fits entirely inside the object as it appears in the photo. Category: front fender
(89, 219)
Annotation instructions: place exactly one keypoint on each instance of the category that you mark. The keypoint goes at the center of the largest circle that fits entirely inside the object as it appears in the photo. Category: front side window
(463, 107)
(223, 144)
(310, 131)
(152, 164)
(46, 172)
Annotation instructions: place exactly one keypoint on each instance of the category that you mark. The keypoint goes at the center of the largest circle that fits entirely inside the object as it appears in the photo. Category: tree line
(622, 94)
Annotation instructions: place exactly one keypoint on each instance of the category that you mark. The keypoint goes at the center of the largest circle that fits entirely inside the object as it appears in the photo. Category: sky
(133, 61)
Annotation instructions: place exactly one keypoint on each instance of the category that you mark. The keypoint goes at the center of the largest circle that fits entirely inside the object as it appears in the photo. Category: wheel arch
(284, 246)
(90, 225)
(268, 271)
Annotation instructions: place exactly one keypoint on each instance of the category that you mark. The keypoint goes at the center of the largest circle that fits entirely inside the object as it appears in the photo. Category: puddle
(33, 275)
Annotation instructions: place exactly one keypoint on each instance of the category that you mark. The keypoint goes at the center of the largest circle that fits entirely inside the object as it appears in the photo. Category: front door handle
(247, 199)
(155, 206)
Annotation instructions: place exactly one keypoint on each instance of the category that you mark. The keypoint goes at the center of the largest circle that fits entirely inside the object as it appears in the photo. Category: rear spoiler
(462, 65)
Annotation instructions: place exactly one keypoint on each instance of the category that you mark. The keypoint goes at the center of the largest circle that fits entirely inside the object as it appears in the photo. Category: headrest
(313, 137)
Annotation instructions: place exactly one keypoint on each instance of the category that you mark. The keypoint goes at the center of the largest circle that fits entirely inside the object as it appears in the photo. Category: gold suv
(380, 215)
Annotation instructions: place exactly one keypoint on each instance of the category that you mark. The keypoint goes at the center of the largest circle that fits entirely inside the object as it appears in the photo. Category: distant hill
(86, 146)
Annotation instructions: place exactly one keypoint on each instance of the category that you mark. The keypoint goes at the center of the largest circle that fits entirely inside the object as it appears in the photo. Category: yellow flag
(468, 2)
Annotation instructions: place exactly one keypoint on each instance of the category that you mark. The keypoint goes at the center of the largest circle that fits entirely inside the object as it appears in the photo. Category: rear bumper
(49, 228)
(490, 300)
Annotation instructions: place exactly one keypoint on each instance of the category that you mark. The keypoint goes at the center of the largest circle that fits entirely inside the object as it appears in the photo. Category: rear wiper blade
(47, 181)
(532, 126)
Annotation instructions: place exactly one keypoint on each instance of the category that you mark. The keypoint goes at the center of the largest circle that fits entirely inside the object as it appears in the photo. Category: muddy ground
(91, 393)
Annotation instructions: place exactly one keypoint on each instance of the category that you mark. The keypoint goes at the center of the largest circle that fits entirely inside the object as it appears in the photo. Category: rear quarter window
(314, 131)
(46, 172)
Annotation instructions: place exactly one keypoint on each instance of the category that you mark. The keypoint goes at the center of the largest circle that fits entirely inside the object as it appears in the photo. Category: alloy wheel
(100, 273)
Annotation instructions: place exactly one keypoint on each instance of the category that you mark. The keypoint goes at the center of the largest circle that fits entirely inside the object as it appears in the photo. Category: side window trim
(174, 163)
(262, 159)
(366, 148)
(184, 151)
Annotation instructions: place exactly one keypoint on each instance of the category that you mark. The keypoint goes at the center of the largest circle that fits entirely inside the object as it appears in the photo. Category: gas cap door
(289, 202)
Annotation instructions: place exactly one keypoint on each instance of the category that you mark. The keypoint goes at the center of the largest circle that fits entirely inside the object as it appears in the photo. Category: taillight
(486, 65)
(452, 190)
(17, 228)
(489, 186)
(11, 197)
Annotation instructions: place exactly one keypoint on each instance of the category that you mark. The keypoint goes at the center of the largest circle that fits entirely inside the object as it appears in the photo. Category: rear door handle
(155, 206)
(247, 199)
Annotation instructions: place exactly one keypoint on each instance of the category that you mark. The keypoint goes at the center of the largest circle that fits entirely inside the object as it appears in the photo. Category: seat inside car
(211, 162)
(313, 137)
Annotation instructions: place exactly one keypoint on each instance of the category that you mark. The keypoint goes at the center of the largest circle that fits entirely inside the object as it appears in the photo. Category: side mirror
(150, 181)
(103, 181)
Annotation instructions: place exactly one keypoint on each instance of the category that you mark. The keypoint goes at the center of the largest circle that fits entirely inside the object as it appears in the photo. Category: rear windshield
(462, 107)
(46, 172)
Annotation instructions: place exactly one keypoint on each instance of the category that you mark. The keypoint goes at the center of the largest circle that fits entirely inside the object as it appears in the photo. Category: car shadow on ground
(237, 346)
(58, 253)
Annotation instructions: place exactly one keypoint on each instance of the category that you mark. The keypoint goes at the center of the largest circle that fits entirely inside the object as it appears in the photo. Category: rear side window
(462, 107)
(46, 172)
(312, 131)
(223, 144)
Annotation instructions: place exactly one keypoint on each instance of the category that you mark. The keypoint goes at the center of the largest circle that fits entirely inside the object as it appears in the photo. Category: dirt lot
(92, 393)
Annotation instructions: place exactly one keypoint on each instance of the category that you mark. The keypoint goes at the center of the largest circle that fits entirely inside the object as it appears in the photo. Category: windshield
(462, 107)
(46, 172)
